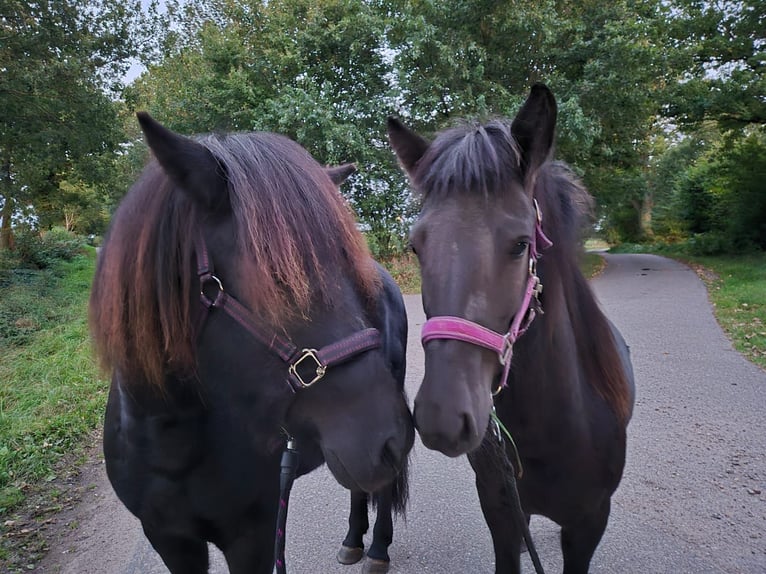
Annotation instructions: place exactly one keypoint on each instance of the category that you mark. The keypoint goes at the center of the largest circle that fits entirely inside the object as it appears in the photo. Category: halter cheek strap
(457, 328)
(304, 366)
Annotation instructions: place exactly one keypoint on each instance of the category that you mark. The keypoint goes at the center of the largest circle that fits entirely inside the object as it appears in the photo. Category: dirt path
(693, 497)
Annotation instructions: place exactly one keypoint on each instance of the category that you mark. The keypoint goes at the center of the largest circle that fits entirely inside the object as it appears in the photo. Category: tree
(718, 98)
(603, 60)
(720, 54)
(62, 63)
(316, 71)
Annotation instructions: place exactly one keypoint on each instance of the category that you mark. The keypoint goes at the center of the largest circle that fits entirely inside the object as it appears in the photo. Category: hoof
(373, 566)
(348, 555)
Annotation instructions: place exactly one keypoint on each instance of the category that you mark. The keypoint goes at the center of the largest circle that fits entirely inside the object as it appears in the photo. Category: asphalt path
(692, 500)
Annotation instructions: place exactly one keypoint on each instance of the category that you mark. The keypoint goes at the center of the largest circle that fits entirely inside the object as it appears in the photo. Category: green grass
(405, 271)
(737, 288)
(736, 284)
(591, 264)
(51, 396)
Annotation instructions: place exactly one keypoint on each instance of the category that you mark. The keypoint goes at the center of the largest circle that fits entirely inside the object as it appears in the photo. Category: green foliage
(62, 63)
(33, 298)
(738, 292)
(314, 71)
(51, 396)
(405, 270)
(720, 52)
(718, 195)
(627, 75)
(40, 250)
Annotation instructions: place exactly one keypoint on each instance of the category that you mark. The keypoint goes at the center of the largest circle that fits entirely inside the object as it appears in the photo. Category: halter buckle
(320, 371)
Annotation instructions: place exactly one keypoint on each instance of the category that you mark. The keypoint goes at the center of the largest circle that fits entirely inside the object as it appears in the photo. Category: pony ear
(339, 174)
(534, 128)
(408, 146)
(190, 165)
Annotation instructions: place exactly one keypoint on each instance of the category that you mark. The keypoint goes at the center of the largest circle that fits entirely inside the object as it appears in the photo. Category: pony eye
(519, 249)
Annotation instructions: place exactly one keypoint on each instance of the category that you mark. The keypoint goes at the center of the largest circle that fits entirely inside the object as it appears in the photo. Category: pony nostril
(468, 432)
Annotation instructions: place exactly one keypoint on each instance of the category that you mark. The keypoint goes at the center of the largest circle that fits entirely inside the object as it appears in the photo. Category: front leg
(252, 551)
(378, 560)
(352, 548)
(497, 504)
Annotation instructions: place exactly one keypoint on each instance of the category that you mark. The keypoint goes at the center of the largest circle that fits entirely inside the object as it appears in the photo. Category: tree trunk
(6, 233)
(645, 215)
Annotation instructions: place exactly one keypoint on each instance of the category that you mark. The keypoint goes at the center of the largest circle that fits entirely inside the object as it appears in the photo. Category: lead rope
(286, 478)
(518, 512)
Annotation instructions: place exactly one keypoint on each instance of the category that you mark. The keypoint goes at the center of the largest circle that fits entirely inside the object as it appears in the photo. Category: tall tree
(718, 100)
(62, 61)
(314, 70)
(602, 59)
(720, 54)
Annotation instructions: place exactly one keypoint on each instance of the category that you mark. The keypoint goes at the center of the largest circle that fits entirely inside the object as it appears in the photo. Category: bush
(40, 250)
(711, 243)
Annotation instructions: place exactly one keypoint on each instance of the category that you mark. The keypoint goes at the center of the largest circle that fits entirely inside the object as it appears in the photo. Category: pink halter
(446, 327)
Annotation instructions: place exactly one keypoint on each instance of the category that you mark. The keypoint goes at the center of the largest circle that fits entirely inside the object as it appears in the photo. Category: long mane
(485, 159)
(295, 234)
(566, 207)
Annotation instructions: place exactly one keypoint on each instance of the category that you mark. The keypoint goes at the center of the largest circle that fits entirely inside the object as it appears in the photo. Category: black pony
(235, 302)
(492, 202)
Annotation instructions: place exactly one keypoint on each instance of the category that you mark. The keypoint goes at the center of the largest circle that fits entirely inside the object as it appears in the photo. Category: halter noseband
(304, 366)
(457, 328)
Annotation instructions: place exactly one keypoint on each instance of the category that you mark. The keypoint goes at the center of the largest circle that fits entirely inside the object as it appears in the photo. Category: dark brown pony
(230, 253)
(569, 393)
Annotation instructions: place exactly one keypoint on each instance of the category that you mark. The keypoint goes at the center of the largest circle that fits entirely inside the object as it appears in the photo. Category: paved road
(693, 498)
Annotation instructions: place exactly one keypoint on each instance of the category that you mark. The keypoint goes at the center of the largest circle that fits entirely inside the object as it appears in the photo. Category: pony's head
(284, 244)
(472, 239)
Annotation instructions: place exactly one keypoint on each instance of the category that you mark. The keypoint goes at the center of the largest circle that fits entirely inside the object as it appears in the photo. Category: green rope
(501, 426)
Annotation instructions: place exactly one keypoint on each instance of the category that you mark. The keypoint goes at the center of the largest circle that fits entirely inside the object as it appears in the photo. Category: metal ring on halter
(204, 280)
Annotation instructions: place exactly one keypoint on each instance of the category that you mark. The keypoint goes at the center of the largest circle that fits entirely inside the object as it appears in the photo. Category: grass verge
(737, 288)
(736, 285)
(51, 398)
(405, 270)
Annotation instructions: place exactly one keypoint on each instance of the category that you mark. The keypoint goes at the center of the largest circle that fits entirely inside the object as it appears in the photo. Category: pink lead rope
(446, 327)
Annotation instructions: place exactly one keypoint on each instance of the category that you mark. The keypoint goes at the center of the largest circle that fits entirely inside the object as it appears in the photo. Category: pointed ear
(408, 146)
(190, 165)
(534, 128)
(340, 173)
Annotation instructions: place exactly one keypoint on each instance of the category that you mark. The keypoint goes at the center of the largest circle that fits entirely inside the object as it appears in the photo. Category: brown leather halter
(304, 366)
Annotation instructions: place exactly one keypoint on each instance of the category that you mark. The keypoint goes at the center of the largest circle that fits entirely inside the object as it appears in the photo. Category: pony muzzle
(452, 410)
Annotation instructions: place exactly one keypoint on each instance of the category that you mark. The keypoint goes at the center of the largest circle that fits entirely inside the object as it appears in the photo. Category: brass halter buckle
(320, 368)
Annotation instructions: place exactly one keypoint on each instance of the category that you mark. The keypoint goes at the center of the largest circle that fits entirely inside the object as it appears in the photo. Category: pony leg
(181, 555)
(252, 551)
(497, 507)
(352, 548)
(378, 560)
(580, 539)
